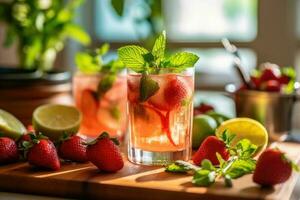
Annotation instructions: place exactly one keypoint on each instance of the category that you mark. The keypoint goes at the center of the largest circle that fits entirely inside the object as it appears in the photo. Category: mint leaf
(133, 57)
(206, 164)
(227, 137)
(204, 177)
(103, 49)
(182, 60)
(181, 166)
(175, 168)
(241, 167)
(105, 84)
(148, 87)
(245, 149)
(158, 50)
(221, 160)
(87, 63)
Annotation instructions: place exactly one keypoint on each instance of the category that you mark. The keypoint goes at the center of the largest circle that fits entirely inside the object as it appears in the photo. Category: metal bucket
(273, 110)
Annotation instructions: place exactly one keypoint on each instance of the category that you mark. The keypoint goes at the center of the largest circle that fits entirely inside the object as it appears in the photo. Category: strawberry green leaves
(141, 60)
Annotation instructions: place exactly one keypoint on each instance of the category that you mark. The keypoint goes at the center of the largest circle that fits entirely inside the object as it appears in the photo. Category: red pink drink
(160, 127)
(105, 113)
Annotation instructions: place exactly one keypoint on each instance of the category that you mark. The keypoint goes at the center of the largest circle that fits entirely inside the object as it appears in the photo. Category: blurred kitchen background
(264, 30)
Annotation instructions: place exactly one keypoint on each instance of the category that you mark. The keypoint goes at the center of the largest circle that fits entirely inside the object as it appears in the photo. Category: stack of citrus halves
(59, 123)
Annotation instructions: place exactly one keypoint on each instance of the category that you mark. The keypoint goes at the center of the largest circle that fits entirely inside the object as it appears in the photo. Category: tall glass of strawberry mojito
(160, 102)
(100, 94)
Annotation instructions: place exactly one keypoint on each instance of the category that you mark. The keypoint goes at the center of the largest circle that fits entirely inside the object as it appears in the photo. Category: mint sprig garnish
(141, 60)
(239, 164)
(91, 62)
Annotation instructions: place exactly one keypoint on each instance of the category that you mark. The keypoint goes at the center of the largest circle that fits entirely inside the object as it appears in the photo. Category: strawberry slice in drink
(164, 121)
(173, 91)
(150, 123)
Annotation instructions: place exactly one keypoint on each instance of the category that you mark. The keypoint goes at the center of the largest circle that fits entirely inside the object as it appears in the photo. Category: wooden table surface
(134, 182)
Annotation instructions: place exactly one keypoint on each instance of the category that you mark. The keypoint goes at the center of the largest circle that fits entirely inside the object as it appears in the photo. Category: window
(200, 25)
(109, 25)
(211, 20)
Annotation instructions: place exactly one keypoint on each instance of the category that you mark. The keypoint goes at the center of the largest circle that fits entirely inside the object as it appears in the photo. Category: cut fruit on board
(54, 120)
(10, 126)
(246, 128)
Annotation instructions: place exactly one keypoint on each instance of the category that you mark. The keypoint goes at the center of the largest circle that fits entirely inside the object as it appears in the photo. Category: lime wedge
(246, 128)
(54, 120)
(10, 126)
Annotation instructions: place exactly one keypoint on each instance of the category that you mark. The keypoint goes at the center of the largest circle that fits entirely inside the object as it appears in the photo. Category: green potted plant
(40, 28)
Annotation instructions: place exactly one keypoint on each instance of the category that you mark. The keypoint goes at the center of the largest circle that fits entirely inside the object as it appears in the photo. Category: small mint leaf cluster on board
(92, 63)
(239, 164)
(140, 60)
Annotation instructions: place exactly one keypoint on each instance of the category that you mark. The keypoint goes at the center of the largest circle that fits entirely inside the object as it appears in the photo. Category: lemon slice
(10, 126)
(54, 120)
(246, 128)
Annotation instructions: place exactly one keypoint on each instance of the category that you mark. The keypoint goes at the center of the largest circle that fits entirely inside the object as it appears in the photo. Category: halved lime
(10, 126)
(54, 120)
(246, 128)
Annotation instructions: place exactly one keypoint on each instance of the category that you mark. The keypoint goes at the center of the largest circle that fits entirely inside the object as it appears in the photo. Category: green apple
(218, 117)
(203, 126)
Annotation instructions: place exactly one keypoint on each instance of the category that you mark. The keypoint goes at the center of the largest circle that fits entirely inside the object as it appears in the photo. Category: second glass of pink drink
(100, 92)
(160, 105)
(107, 113)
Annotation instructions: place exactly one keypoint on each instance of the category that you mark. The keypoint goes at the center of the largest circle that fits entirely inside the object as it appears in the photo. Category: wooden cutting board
(135, 182)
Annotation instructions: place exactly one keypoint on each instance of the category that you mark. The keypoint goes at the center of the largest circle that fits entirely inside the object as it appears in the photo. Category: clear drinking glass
(160, 127)
(105, 113)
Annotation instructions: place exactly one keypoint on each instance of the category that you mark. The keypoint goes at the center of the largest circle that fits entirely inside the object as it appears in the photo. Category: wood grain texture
(135, 182)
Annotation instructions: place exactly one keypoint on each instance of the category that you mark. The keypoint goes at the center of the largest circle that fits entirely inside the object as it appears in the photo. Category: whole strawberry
(8, 150)
(41, 152)
(105, 154)
(272, 168)
(208, 149)
(73, 148)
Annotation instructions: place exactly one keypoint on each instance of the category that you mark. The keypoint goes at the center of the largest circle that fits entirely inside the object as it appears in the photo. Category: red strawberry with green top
(272, 168)
(208, 149)
(73, 148)
(105, 154)
(8, 151)
(41, 152)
